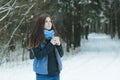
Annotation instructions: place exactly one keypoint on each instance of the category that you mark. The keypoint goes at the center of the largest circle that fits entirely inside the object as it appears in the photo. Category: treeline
(18, 17)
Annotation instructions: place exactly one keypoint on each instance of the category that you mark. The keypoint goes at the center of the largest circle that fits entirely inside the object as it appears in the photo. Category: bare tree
(8, 10)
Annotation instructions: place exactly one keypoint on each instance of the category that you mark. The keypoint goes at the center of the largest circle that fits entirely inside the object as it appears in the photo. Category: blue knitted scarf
(49, 34)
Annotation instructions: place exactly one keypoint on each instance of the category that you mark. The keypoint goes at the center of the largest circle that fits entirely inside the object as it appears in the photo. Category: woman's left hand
(57, 40)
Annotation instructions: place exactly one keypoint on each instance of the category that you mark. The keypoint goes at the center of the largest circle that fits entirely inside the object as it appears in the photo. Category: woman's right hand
(55, 40)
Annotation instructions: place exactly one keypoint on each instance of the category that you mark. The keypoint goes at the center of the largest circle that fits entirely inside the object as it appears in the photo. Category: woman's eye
(48, 21)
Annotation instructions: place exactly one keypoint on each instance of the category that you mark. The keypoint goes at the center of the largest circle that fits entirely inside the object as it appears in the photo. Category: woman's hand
(55, 40)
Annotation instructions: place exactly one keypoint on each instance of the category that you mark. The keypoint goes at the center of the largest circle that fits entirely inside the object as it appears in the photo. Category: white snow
(98, 59)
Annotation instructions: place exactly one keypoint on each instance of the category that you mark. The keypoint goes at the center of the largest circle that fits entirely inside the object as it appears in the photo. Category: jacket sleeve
(40, 53)
(60, 50)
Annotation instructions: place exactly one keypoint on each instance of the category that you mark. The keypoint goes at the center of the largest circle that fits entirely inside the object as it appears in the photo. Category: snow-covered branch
(3, 11)
(7, 45)
(8, 9)
(5, 27)
(19, 24)
(5, 15)
(21, 6)
(7, 4)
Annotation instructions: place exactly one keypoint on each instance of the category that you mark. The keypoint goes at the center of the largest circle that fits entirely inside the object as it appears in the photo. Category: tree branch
(6, 5)
(9, 8)
(5, 27)
(19, 25)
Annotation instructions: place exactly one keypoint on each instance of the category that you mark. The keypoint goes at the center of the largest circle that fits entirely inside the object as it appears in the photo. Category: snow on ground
(98, 59)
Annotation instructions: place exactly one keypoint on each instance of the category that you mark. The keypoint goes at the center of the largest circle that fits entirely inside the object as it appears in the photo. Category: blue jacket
(40, 64)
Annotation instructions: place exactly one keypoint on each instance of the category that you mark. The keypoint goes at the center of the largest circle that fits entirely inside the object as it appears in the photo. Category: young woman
(47, 49)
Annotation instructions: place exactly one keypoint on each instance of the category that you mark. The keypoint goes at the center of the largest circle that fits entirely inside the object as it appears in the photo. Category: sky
(98, 58)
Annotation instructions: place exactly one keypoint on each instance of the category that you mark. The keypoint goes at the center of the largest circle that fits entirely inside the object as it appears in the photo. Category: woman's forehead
(48, 18)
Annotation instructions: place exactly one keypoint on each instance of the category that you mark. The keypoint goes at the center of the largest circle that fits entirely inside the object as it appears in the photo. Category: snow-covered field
(97, 59)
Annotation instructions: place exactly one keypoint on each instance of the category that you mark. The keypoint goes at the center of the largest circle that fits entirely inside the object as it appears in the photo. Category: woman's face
(48, 23)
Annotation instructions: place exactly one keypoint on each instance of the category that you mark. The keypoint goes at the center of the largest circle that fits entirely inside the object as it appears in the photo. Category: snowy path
(98, 59)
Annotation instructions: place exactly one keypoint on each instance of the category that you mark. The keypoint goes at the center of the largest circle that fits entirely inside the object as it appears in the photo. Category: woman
(47, 49)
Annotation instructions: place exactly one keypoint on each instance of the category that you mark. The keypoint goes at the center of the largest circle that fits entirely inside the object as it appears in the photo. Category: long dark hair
(37, 35)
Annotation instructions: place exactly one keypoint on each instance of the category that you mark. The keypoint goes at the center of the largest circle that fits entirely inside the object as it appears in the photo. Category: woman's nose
(49, 22)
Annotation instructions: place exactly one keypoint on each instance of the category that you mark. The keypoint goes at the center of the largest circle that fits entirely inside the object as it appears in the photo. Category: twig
(4, 27)
(5, 15)
(6, 5)
(3, 11)
(9, 9)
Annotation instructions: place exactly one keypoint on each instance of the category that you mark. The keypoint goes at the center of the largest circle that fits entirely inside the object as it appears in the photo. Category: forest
(74, 20)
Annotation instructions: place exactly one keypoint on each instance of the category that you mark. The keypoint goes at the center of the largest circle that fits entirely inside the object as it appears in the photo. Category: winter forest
(77, 21)
(74, 20)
